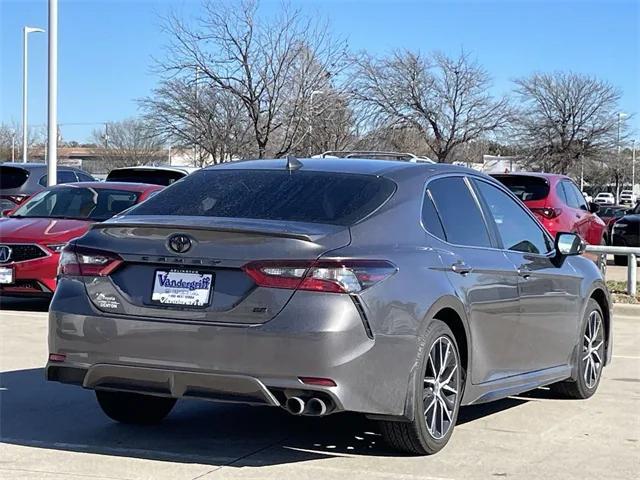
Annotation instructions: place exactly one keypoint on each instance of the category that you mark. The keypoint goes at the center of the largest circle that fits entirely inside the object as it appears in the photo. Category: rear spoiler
(251, 230)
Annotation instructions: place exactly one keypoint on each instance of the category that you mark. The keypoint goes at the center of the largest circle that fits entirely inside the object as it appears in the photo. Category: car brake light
(319, 381)
(57, 357)
(86, 262)
(17, 199)
(548, 212)
(337, 276)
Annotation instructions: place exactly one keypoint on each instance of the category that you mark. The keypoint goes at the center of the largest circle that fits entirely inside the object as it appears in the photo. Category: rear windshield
(80, 203)
(524, 187)
(12, 177)
(316, 197)
(155, 177)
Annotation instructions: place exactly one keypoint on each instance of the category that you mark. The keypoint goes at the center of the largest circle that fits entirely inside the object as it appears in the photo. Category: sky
(107, 48)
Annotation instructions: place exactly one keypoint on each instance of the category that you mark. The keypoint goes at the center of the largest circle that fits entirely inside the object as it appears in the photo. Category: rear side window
(430, 218)
(83, 177)
(155, 177)
(526, 188)
(302, 196)
(575, 199)
(459, 212)
(12, 177)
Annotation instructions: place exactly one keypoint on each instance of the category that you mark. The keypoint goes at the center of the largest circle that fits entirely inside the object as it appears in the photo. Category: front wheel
(591, 354)
(126, 407)
(437, 396)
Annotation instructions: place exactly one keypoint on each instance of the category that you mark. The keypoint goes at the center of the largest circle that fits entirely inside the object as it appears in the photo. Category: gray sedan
(395, 289)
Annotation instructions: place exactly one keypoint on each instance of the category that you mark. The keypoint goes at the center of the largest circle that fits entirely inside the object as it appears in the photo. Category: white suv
(627, 197)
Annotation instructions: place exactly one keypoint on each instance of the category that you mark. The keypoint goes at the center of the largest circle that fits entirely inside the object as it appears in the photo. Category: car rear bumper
(315, 335)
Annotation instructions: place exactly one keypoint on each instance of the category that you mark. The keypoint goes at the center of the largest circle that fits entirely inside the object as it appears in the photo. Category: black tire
(415, 436)
(621, 260)
(579, 388)
(126, 407)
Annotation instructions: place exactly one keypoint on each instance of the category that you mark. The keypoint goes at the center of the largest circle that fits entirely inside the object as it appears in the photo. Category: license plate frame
(172, 294)
(7, 276)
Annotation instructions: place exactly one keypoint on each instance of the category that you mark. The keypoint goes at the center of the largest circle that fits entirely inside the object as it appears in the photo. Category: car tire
(135, 408)
(436, 401)
(590, 356)
(621, 260)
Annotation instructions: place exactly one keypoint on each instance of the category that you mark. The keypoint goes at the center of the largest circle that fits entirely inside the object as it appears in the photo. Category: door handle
(461, 268)
(524, 272)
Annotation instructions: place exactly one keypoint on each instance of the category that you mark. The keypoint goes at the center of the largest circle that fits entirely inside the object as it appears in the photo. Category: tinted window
(78, 203)
(83, 177)
(454, 202)
(574, 196)
(12, 177)
(561, 194)
(64, 176)
(303, 196)
(155, 177)
(519, 232)
(430, 218)
(525, 187)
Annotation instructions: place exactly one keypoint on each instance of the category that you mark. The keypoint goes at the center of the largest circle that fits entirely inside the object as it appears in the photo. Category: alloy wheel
(593, 349)
(441, 387)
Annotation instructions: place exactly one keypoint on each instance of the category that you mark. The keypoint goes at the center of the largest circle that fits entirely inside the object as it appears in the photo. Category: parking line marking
(629, 357)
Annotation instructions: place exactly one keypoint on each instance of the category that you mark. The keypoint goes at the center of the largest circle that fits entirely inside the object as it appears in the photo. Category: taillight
(86, 262)
(18, 199)
(548, 212)
(337, 276)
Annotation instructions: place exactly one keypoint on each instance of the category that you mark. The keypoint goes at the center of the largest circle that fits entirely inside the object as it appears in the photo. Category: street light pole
(633, 167)
(310, 130)
(52, 118)
(25, 85)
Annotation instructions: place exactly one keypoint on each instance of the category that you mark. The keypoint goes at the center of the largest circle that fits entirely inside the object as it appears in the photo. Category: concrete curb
(627, 309)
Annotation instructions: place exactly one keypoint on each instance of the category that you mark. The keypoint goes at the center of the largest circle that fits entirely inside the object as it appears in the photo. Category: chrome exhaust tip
(316, 407)
(295, 405)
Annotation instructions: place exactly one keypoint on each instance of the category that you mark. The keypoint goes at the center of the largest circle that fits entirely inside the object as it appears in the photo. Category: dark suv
(18, 181)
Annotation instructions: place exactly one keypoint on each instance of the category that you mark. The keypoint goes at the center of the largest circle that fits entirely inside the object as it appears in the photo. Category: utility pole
(25, 86)
(13, 145)
(52, 117)
(633, 168)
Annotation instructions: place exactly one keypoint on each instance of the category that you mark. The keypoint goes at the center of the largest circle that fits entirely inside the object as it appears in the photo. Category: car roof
(547, 176)
(129, 186)
(347, 165)
(36, 165)
(170, 168)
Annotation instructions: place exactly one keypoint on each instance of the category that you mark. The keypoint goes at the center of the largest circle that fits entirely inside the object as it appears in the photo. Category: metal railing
(632, 254)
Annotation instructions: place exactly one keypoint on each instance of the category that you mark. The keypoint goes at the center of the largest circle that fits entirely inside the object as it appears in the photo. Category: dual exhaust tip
(315, 407)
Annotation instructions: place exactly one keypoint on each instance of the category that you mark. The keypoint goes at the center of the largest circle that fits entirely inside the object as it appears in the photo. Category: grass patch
(619, 292)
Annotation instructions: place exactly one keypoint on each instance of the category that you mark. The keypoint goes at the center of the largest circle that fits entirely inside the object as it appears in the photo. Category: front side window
(519, 232)
(77, 203)
(459, 213)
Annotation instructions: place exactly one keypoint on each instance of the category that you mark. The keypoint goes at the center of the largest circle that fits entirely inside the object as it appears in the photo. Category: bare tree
(444, 98)
(126, 143)
(206, 119)
(564, 116)
(271, 66)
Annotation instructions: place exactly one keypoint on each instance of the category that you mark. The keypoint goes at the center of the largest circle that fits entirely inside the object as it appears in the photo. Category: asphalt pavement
(55, 431)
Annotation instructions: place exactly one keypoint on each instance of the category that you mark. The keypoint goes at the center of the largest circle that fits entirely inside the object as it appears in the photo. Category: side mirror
(594, 207)
(568, 244)
(6, 213)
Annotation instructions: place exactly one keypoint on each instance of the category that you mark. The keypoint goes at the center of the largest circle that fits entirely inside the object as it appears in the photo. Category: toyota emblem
(179, 243)
(5, 253)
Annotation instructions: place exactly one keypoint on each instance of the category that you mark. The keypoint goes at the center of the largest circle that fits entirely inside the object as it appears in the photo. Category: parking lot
(54, 431)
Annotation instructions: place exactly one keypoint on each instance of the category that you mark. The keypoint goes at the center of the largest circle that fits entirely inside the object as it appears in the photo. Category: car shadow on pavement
(50, 415)
(25, 304)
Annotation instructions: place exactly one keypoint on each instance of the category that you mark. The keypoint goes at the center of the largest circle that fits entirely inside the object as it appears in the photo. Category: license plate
(182, 287)
(6, 275)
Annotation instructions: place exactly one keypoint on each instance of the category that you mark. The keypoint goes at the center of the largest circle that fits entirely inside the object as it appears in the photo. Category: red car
(558, 204)
(32, 235)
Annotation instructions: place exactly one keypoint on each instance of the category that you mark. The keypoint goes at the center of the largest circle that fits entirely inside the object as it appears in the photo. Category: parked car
(157, 175)
(626, 232)
(32, 236)
(18, 181)
(605, 198)
(329, 285)
(609, 214)
(558, 203)
(627, 197)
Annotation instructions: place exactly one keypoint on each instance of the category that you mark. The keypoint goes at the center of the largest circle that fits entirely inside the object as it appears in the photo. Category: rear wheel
(591, 354)
(126, 407)
(436, 397)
